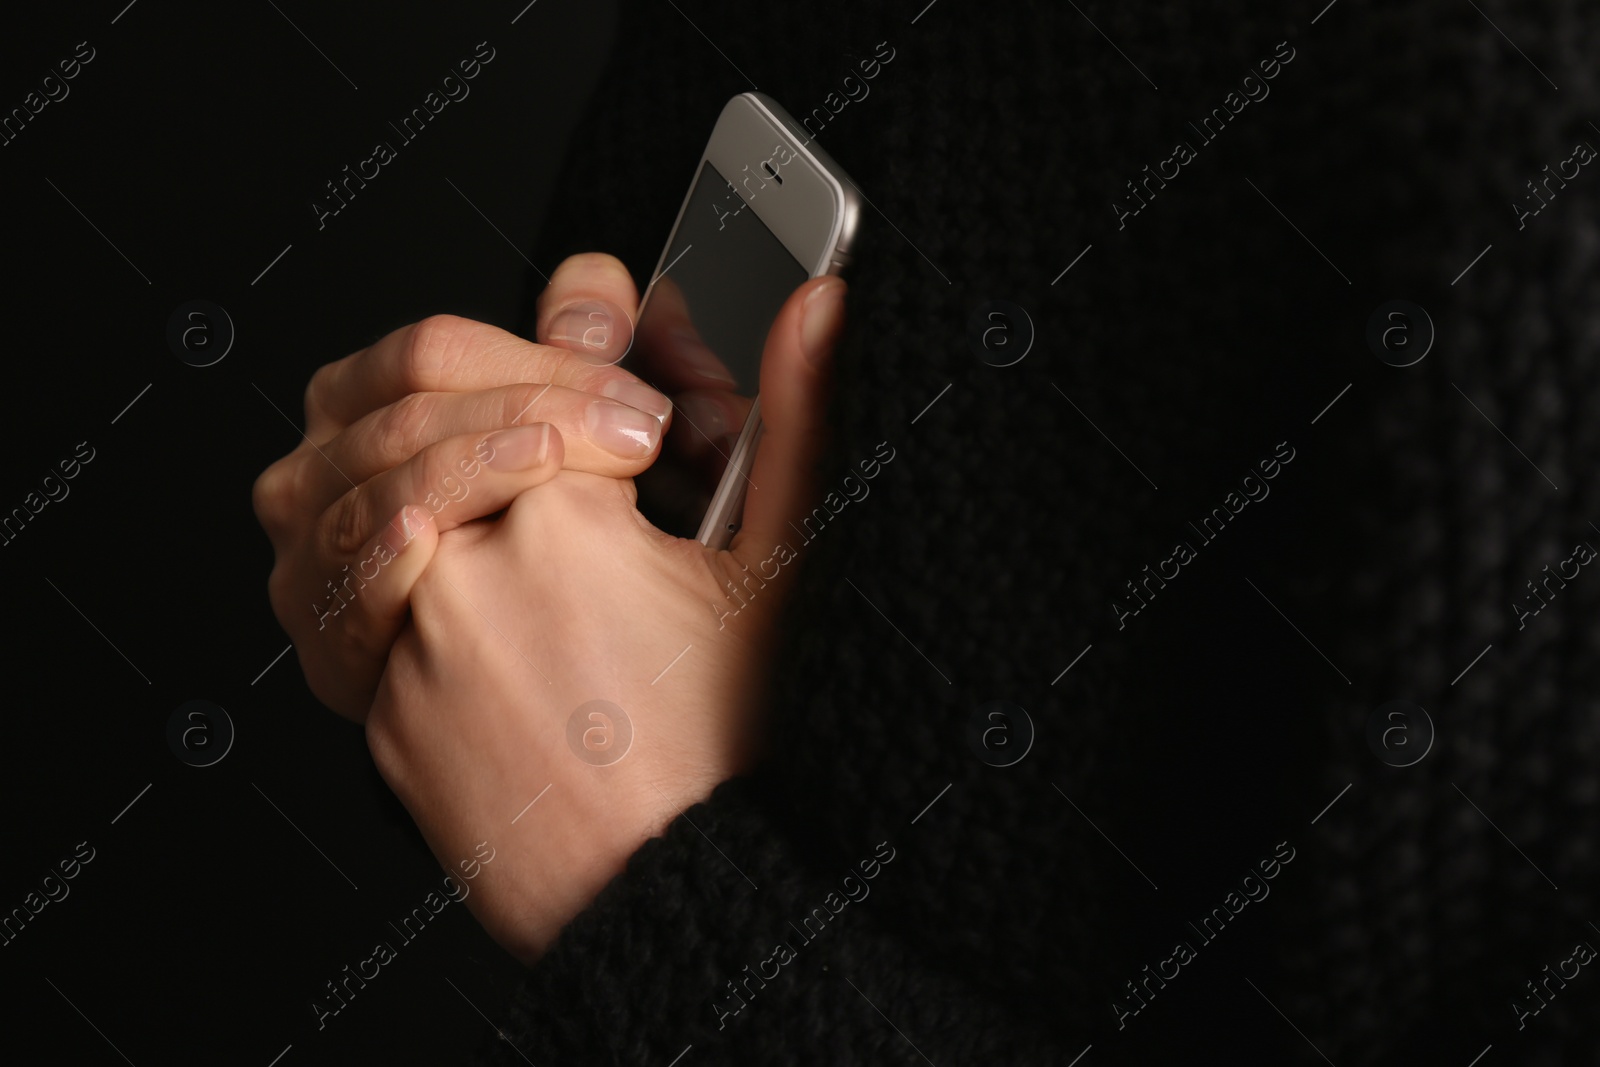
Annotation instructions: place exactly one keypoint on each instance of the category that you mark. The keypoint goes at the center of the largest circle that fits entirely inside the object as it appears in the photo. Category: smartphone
(767, 209)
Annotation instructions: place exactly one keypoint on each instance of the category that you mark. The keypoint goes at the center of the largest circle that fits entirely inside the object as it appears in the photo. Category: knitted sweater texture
(1188, 730)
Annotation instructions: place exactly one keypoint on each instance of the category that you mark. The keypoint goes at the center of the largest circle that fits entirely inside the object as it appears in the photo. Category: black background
(196, 141)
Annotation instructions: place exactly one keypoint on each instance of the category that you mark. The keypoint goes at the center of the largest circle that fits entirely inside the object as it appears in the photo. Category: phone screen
(699, 341)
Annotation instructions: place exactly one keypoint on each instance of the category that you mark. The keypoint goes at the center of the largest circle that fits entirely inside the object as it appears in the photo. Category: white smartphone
(767, 209)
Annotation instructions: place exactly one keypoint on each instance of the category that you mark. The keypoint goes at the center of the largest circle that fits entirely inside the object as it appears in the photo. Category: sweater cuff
(721, 935)
(647, 969)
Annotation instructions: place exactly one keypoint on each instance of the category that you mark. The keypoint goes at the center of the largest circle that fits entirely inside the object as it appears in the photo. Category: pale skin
(540, 589)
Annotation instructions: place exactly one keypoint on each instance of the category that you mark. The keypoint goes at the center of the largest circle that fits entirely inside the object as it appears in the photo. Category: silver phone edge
(724, 515)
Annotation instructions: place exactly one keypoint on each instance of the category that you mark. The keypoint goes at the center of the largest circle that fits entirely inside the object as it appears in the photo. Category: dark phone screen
(699, 341)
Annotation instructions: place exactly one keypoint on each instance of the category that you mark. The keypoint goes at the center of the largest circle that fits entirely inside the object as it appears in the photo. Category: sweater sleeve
(768, 924)
(722, 942)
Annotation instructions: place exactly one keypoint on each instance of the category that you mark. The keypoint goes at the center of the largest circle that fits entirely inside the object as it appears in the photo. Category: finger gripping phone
(767, 209)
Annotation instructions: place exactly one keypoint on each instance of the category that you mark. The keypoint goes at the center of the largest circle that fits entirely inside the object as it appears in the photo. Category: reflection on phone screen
(699, 341)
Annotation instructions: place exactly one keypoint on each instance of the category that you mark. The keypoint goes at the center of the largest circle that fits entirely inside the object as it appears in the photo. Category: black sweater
(1176, 865)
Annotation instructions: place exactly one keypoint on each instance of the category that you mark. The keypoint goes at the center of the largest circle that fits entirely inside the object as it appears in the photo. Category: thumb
(796, 369)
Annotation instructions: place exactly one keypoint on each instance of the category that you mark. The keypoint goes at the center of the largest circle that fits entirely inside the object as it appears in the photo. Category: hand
(411, 421)
(572, 597)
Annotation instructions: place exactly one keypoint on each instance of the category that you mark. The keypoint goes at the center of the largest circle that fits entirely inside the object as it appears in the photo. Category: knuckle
(262, 494)
(382, 742)
(269, 495)
(279, 595)
(317, 390)
(526, 403)
(432, 352)
(437, 480)
(404, 425)
(346, 526)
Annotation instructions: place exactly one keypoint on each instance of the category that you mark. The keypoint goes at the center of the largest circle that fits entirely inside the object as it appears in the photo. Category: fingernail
(588, 324)
(596, 330)
(821, 318)
(409, 522)
(622, 430)
(518, 448)
(638, 395)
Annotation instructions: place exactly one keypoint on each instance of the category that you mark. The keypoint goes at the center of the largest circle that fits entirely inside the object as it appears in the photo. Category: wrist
(575, 841)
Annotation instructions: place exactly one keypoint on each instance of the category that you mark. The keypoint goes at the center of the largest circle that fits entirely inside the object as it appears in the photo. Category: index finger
(440, 354)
